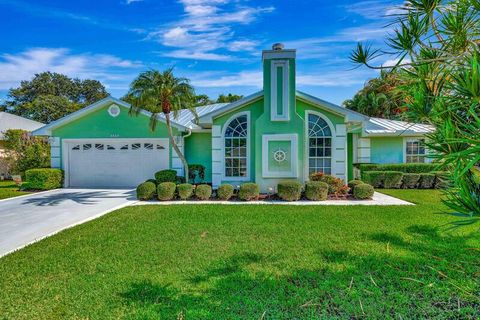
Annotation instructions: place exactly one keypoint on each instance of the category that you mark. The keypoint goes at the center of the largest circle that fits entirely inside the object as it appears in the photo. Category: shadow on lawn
(86, 198)
(435, 279)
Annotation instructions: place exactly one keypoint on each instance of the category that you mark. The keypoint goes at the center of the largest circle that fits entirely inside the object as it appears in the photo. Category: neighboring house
(10, 121)
(274, 134)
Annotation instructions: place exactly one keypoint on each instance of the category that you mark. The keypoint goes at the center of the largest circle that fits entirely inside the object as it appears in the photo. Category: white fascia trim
(285, 116)
(222, 160)
(47, 130)
(276, 54)
(293, 138)
(350, 116)
(400, 133)
(207, 118)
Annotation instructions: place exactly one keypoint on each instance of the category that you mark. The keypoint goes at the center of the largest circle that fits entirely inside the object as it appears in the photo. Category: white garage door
(114, 162)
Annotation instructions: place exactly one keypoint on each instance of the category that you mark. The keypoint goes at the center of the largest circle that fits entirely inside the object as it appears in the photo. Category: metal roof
(186, 118)
(10, 121)
(379, 126)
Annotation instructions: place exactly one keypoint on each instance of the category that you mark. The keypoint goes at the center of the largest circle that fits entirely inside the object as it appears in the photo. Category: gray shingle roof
(11, 121)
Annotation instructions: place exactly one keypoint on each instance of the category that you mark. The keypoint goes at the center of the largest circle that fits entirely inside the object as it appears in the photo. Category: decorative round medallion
(280, 155)
(114, 110)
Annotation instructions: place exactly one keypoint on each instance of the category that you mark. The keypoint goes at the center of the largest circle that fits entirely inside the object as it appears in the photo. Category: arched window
(319, 145)
(236, 134)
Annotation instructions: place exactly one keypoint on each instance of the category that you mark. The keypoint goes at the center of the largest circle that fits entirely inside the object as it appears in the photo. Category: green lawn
(8, 189)
(251, 262)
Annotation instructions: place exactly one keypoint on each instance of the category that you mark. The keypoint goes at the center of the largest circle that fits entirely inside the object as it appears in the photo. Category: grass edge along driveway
(8, 189)
(244, 262)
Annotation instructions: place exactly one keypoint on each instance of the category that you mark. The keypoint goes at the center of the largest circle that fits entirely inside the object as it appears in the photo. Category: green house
(275, 134)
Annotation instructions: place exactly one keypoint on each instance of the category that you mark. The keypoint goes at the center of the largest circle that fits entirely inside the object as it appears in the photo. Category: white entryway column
(216, 156)
(176, 161)
(340, 152)
(55, 152)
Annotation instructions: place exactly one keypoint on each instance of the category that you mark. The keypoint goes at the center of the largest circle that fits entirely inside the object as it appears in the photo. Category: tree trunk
(176, 148)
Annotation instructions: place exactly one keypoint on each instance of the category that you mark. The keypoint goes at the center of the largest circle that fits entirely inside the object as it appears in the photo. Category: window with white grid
(319, 145)
(236, 135)
(415, 151)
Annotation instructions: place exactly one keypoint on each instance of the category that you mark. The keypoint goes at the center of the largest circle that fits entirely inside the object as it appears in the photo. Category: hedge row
(397, 179)
(43, 179)
(402, 167)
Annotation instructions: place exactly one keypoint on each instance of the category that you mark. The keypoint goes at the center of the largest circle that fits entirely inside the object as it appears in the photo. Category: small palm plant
(162, 93)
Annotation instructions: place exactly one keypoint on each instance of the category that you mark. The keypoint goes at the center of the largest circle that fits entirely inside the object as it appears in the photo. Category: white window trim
(273, 91)
(227, 123)
(413, 139)
(293, 138)
(306, 146)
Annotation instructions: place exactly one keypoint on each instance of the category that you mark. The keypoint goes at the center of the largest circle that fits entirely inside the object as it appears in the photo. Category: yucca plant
(436, 43)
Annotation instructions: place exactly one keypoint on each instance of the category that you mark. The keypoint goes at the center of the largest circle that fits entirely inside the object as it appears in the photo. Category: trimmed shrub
(184, 191)
(402, 167)
(353, 183)
(363, 191)
(166, 176)
(427, 181)
(166, 191)
(152, 181)
(146, 190)
(289, 190)
(441, 180)
(225, 192)
(248, 191)
(316, 190)
(410, 180)
(335, 185)
(44, 179)
(392, 179)
(203, 192)
(374, 178)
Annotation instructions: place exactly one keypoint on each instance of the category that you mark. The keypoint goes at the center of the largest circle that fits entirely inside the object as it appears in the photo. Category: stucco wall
(198, 150)
(386, 149)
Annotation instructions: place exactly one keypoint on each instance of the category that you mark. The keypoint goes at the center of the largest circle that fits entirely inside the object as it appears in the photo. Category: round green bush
(44, 178)
(289, 190)
(363, 191)
(146, 190)
(316, 190)
(152, 181)
(248, 191)
(185, 191)
(225, 192)
(353, 183)
(203, 192)
(166, 191)
(166, 176)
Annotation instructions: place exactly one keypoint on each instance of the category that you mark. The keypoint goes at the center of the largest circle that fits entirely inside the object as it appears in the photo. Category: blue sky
(215, 43)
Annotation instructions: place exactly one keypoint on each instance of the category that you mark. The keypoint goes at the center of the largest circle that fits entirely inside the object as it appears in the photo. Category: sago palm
(162, 93)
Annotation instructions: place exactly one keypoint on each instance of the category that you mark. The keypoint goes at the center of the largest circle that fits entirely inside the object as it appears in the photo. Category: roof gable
(11, 121)
(47, 130)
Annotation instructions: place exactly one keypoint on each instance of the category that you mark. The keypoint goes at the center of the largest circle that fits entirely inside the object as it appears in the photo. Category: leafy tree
(203, 100)
(436, 43)
(50, 96)
(162, 92)
(24, 151)
(380, 97)
(222, 98)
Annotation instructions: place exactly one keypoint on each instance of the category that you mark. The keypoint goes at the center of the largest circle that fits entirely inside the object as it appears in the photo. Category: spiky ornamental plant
(437, 43)
(162, 93)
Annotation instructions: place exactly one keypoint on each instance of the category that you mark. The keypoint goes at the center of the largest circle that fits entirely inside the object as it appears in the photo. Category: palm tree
(161, 92)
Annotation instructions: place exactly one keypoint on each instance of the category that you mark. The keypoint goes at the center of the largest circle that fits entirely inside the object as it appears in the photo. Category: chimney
(279, 82)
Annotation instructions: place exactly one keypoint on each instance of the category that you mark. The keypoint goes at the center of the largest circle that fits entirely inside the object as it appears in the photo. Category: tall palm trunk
(175, 146)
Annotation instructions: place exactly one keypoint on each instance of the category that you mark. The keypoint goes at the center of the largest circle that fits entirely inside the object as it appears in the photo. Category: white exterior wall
(216, 156)
(55, 152)
(176, 161)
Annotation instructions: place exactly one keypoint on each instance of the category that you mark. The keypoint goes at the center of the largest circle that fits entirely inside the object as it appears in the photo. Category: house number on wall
(279, 155)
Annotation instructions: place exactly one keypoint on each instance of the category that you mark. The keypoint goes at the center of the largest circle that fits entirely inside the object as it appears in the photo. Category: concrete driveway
(30, 218)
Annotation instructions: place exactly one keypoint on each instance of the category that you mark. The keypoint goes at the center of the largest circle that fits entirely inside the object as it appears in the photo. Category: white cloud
(329, 78)
(207, 27)
(393, 62)
(24, 65)
(374, 9)
(132, 1)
